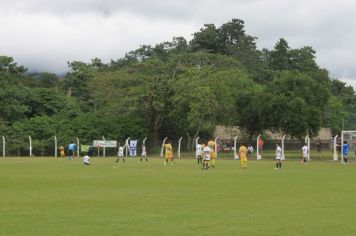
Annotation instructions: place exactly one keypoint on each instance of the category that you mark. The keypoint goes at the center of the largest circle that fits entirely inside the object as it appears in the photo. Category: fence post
(29, 138)
(55, 147)
(104, 147)
(216, 147)
(78, 143)
(258, 155)
(336, 156)
(179, 142)
(236, 156)
(163, 142)
(307, 141)
(196, 144)
(127, 146)
(283, 156)
(3, 146)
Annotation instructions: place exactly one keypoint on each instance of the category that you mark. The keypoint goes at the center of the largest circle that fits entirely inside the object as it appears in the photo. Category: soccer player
(207, 155)
(61, 151)
(305, 151)
(144, 153)
(250, 149)
(211, 145)
(71, 150)
(198, 151)
(202, 152)
(120, 153)
(168, 153)
(243, 156)
(278, 157)
(86, 160)
(345, 151)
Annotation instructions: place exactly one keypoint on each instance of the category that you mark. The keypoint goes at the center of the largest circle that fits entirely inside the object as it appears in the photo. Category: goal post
(336, 155)
(349, 137)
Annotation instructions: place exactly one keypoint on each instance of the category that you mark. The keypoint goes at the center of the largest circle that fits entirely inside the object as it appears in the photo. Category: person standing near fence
(243, 156)
(345, 151)
(211, 145)
(305, 151)
(198, 153)
(168, 153)
(278, 157)
(61, 151)
(120, 153)
(207, 156)
(71, 149)
(260, 145)
(144, 153)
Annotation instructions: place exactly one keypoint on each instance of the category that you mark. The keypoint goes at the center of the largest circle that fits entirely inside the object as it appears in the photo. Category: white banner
(133, 148)
(106, 143)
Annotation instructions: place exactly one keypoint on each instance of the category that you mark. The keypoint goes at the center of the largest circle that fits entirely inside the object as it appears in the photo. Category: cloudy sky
(44, 34)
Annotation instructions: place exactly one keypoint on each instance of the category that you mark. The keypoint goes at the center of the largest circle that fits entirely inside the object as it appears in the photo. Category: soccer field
(48, 196)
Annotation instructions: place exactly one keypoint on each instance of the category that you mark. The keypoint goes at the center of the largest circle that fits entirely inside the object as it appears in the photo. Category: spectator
(260, 145)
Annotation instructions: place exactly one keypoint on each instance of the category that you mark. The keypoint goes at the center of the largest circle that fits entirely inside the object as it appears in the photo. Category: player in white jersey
(120, 153)
(144, 153)
(278, 157)
(305, 151)
(198, 152)
(86, 160)
(206, 153)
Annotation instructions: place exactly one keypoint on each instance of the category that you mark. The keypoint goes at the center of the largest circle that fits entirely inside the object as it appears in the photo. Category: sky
(44, 35)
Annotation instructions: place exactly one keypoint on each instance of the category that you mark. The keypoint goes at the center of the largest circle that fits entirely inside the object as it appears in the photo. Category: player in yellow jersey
(211, 145)
(243, 156)
(168, 153)
(61, 151)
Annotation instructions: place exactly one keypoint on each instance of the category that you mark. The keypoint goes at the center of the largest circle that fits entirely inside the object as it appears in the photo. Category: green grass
(47, 196)
(290, 154)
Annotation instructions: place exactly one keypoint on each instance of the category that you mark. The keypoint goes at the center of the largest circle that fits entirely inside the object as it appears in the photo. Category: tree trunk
(188, 141)
(195, 137)
(155, 138)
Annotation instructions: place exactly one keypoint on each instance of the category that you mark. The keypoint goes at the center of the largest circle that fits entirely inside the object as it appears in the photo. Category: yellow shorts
(243, 158)
(212, 155)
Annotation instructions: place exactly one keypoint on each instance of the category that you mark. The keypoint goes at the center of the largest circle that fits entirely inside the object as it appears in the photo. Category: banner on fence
(133, 148)
(84, 148)
(106, 143)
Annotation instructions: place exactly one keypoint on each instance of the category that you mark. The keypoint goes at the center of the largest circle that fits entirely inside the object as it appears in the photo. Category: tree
(208, 39)
(7, 65)
(279, 57)
(75, 83)
(294, 107)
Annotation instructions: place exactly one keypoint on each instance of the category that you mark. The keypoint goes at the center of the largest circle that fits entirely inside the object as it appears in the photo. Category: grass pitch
(47, 196)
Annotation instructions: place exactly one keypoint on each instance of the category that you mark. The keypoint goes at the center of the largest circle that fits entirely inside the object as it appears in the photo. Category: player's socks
(277, 165)
(280, 164)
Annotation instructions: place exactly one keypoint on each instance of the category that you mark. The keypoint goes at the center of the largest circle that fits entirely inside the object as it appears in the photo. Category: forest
(177, 88)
